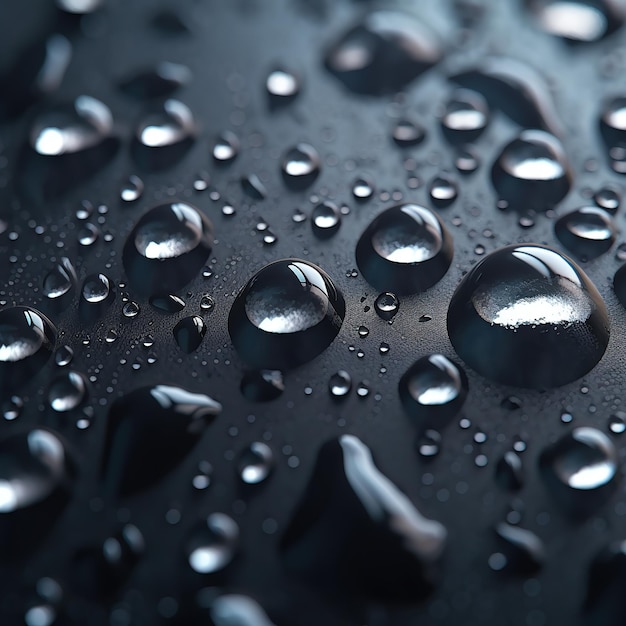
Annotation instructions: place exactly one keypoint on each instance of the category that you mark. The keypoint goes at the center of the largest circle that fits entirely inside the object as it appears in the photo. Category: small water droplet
(168, 126)
(212, 546)
(301, 166)
(466, 160)
(443, 191)
(255, 463)
(189, 333)
(524, 552)
(538, 319)
(325, 219)
(287, 314)
(12, 408)
(132, 189)
(387, 305)
(130, 309)
(282, 85)
(465, 117)
(202, 479)
(608, 198)
(88, 235)
(226, 147)
(339, 384)
(406, 249)
(429, 443)
(407, 133)
(383, 348)
(363, 188)
(67, 391)
(238, 610)
(60, 280)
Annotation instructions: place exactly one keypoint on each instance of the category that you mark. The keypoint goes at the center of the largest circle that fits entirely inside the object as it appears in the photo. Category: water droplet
(466, 161)
(587, 232)
(383, 348)
(301, 166)
(287, 314)
(97, 294)
(167, 247)
(27, 339)
(580, 470)
(149, 432)
(34, 467)
(532, 173)
(99, 572)
(238, 610)
(528, 316)
(340, 384)
(226, 147)
(253, 187)
(617, 423)
(79, 7)
(406, 249)
(189, 333)
(364, 331)
(429, 443)
(67, 391)
(71, 129)
(130, 309)
(132, 189)
(433, 390)
(383, 53)
(282, 86)
(207, 303)
(60, 280)
(255, 463)
(516, 89)
(576, 21)
(387, 305)
(172, 124)
(509, 471)
(325, 219)
(389, 550)
(202, 480)
(407, 133)
(608, 198)
(88, 235)
(262, 385)
(159, 81)
(465, 117)
(443, 191)
(211, 547)
(362, 188)
(167, 304)
(12, 408)
(524, 552)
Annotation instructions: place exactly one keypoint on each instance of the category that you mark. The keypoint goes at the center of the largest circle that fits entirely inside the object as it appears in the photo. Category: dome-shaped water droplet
(433, 390)
(383, 53)
(282, 86)
(189, 333)
(587, 232)
(406, 249)
(60, 280)
(262, 385)
(465, 117)
(12, 408)
(161, 80)
(88, 235)
(63, 356)
(132, 189)
(339, 384)
(466, 160)
(287, 314)
(608, 198)
(528, 316)
(389, 551)
(386, 305)
(212, 546)
(130, 309)
(67, 391)
(407, 133)
(363, 188)
(325, 219)
(71, 129)
(149, 432)
(226, 147)
(167, 247)
(443, 191)
(97, 294)
(581, 470)
(429, 443)
(301, 166)
(255, 463)
(27, 339)
(617, 423)
(532, 173)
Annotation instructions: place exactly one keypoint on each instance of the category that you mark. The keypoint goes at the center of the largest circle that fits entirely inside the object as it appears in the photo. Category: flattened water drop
(587, 232)
(406, 249)
(528, 316)
(383, 53)
(355, 533)
(288, 313)
(532, 172)
(149, 432)
(433, 390)
(407, 133)
(167, 247)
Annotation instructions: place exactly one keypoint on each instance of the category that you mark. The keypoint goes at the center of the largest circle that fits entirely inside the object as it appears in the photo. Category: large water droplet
(212, 547)
(255, 463)
(262, 385)
(67, 391)
(161, 80)
(149, 432)
(433, 390)
(356, 533)
(189, 333)
(383, 53)
(301, 166)
(581, 470)
(27, 339)
(532, 173)
(406, 249)
(288, 313)
(587, 232)
(167, 247)
(465, 117)
(528, 316)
